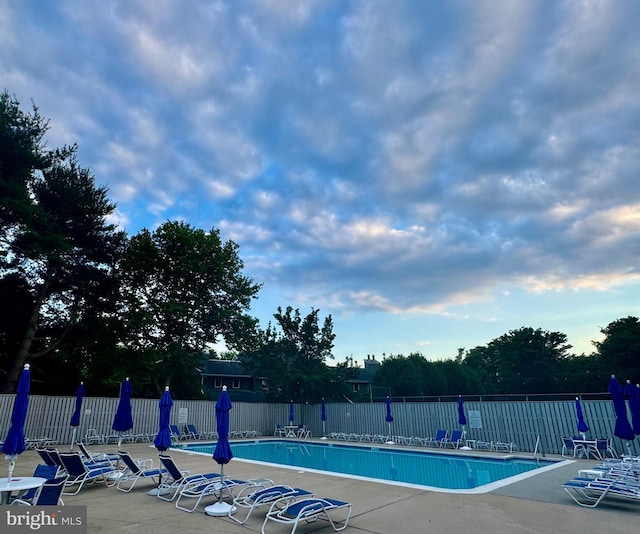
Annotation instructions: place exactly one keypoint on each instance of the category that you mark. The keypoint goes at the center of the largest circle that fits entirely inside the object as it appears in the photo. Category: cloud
(411, 157)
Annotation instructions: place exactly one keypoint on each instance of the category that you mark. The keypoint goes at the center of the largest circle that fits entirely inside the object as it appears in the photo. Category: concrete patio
(535, 505)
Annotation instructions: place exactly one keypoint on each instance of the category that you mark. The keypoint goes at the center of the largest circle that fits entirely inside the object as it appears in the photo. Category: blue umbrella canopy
(14, 442)
(163, 439)
(633, 395)
(582, 426)
(388, 418)
(323, 418)
(75, 417)
(291, 413)
(462, 419)
(222, 453)
(623, 428)
(123, 420)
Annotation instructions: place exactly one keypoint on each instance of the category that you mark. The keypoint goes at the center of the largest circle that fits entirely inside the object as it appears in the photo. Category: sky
(431, 174)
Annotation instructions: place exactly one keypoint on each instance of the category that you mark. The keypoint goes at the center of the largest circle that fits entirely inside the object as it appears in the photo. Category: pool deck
(536, 504)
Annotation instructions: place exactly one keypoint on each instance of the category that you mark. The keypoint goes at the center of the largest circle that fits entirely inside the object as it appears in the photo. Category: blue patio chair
(605, 449)
(191, 432)
(49, 494)
(48, 472)
(438, 439)
(175, 432)
(454, 441)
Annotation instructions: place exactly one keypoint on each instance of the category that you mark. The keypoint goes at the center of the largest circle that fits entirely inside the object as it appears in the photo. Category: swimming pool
(429, 470)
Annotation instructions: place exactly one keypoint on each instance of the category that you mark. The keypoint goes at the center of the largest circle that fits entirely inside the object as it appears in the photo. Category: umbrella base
(220, 509)
(466, 448)
(323, 437)
(390, 442)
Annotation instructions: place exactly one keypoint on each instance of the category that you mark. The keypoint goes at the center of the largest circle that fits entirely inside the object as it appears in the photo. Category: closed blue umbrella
(623, 428)
(163, 438)
(389, 418)
(162, 441)
(633, 395)
(582, 426)
(123, 420)
(291, 413)
(14, 442)
(462, 418)
(75, 417)
(323, 418)
(222, 453)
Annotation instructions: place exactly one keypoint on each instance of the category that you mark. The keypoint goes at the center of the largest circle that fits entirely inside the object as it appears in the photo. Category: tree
(61, 247)
(22, 152)
(182, 289)
(619, 351)
(522, 361)
(293, 360)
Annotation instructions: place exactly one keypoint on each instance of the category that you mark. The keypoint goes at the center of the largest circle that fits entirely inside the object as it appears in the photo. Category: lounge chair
(46, 495)
(92, 436)
(81, 474)
(308, 511)
(251, 498)
(135, 470)
(279, 431)
(191, 432)
(590, 492)
(175, 432)
(454, 441)
(46, 457)
(504, 446)
(438, 439)
(96, 457)
(200, 489)
(169, 488)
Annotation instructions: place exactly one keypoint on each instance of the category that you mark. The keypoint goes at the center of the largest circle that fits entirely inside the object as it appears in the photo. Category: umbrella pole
(222, 484)
(12, 465)
(73, 438)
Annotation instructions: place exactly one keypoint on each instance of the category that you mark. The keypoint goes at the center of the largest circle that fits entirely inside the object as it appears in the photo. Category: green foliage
(55, 239)
(182, 288)
(292, 359)
(22, 151)
(619, 351)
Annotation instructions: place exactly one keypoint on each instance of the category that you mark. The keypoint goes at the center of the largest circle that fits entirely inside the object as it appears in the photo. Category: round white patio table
(18, 484)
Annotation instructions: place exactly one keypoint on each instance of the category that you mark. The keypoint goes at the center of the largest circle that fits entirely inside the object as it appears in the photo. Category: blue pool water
(408, 467)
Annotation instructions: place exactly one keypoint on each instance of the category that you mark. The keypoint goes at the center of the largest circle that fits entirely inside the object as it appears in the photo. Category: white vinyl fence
(521, 422)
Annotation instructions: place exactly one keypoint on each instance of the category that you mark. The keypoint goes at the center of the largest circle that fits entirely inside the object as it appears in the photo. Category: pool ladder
(538, 452)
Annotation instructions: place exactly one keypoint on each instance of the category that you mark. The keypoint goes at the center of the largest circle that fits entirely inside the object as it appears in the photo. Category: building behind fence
(521, 422)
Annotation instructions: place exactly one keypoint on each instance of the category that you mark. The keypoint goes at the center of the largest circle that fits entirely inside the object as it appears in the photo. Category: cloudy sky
(431, 174)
